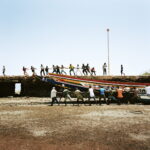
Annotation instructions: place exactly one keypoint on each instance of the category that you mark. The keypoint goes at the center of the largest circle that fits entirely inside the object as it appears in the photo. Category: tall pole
(108, 51)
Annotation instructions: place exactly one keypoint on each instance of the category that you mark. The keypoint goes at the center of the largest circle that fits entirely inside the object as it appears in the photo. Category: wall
(7, 89)
(34, 86)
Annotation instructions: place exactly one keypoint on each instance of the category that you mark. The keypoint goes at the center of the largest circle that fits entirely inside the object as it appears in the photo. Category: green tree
(146, 74)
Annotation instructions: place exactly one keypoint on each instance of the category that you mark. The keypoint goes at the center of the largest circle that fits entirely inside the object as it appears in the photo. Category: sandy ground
(32, 124)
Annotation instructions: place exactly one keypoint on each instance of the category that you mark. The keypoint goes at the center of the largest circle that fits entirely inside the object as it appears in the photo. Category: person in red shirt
(93, 71)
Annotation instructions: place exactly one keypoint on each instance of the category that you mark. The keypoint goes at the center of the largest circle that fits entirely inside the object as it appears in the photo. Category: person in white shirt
(91, 95)
(104, 69)
(78, 70)
(147, 89)
(54, 96)
(127, 89)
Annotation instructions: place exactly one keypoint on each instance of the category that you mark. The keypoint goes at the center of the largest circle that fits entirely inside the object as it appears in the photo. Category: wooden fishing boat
(76, 82)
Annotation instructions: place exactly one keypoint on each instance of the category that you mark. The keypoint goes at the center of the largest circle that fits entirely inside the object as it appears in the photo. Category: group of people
(43, 71)
(108, 94)
(83, 70)
(104, 67)
(86, 70)
(78, 70)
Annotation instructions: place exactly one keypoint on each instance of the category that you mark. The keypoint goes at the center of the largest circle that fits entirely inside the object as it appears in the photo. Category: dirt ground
(32, 124)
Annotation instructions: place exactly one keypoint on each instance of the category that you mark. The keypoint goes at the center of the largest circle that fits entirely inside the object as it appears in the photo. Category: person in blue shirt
(102, 94)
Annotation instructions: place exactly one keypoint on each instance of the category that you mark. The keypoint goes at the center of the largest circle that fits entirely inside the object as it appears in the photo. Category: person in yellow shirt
(71, 67)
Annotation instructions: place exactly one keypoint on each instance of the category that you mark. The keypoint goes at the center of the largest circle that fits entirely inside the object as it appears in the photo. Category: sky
(35, 32)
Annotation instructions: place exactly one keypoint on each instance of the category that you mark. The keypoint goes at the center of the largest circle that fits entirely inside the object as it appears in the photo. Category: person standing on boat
(62, 70)
(42, 70)
(104, 69)
(54, 96)
(4, 70)
(91, 95)
(71, 67)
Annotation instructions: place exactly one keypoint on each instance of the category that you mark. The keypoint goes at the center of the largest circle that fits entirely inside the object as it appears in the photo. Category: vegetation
(146, 74)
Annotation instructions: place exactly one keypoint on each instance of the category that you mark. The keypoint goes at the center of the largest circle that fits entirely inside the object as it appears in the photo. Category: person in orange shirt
(119, 95)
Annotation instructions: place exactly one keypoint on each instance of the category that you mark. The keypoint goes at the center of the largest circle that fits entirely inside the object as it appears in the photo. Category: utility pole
(108, 51)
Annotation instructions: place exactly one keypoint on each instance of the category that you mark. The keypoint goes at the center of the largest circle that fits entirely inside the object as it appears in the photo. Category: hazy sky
(34, 32)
